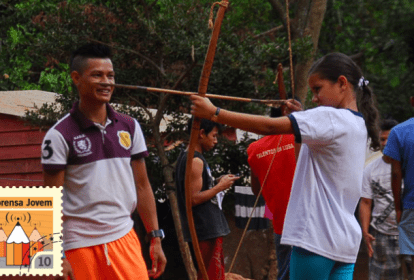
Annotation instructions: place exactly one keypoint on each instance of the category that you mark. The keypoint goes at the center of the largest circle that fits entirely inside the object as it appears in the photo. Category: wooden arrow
(271, 103)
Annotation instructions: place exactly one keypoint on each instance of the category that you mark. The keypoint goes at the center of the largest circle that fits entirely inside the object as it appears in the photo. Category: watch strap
(155, 233)
(215, 116)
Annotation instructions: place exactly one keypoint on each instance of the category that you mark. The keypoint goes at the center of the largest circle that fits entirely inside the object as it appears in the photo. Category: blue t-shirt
(400, 147)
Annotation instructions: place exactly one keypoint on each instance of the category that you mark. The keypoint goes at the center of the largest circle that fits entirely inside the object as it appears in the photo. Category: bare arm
(203, 108)
(387, 159)
(148, 213)
(54, 178)
(146, 201)
(365, 213)
(396, 182)
(196, 179)
(365, 218)
(255, 183)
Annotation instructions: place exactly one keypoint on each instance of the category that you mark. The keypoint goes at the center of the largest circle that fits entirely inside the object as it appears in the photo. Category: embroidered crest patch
(124, 139)
(82, 145)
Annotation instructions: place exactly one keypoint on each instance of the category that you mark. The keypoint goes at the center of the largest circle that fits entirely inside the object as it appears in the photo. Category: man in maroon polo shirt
(98, 156)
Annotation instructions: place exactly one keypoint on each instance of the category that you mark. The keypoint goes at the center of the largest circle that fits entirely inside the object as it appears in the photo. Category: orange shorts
(122, 260)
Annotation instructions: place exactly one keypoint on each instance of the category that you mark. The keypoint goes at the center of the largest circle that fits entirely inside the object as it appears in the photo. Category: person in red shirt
(277, 185)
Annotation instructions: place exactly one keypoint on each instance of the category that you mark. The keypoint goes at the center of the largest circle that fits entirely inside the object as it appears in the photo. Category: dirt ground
(251, 264)
(247, 268)
(251, 261)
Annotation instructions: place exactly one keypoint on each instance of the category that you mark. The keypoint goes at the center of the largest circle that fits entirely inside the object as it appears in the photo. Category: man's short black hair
(91, 50)
(388, 124)
(207, 125)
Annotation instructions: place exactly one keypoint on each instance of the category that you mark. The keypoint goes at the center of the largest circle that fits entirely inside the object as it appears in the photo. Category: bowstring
(280, 140)
(254, 206)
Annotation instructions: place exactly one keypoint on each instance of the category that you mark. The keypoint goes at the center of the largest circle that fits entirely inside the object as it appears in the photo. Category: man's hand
(368, 238)
(67, 271)
(158, 258)
(227, 181)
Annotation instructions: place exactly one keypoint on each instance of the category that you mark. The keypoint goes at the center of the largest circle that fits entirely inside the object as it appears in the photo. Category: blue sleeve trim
(296, 131)
(356, 113)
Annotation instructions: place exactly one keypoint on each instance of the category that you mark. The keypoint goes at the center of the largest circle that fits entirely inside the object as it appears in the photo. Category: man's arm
(255, 183)
(196, 179)
(396, 182)
(365, 218)
(57, 178)
(54, 178)
(148, 213)
(387, 159)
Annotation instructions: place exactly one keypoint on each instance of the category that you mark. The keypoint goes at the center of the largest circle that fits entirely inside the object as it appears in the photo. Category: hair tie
(362, 82)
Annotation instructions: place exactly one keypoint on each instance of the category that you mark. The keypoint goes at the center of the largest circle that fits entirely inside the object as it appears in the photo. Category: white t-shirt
(327, 183)
(376, 185)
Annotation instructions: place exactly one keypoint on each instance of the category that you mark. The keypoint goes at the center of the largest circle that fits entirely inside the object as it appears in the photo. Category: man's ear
(75, 77)
(412, 100)
(202, 133)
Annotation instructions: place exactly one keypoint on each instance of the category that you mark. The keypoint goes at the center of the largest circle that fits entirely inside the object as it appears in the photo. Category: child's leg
(342, 271)
(305, 265)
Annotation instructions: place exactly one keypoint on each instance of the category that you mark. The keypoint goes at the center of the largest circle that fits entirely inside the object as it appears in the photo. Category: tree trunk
(168, 171)
(307, 22)
(184, 248)
(312, 29)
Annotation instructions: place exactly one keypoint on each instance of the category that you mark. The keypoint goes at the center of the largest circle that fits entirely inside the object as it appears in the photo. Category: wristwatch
(215, 116)
(155, 233)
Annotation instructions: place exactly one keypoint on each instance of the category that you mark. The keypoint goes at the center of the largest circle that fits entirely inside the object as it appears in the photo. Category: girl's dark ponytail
(333, 65)
(367, 106)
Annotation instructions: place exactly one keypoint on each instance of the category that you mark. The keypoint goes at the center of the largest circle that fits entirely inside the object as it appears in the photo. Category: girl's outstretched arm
(203, 108)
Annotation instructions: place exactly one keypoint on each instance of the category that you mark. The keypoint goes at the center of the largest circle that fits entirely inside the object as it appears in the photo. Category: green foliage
(167, 31)
(56, 79)
(156, 42)
(379, 34)
(15, 36)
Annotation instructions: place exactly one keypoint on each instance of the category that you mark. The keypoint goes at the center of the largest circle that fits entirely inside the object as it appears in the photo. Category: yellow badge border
(120, 132)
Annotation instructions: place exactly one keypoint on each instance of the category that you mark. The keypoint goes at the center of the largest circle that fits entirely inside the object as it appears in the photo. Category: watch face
(157, 233)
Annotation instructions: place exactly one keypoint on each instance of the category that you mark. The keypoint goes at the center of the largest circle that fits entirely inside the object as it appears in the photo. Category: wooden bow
(202, 89)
